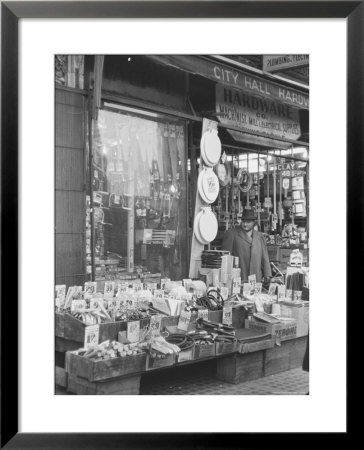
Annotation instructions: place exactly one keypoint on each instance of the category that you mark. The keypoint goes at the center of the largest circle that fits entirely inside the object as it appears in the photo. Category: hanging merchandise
(245, 180)
(208, 185)
(205, 226)
(223, 173)
(210, 147)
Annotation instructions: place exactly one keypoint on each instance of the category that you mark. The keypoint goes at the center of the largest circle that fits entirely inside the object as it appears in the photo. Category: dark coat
(252, 253)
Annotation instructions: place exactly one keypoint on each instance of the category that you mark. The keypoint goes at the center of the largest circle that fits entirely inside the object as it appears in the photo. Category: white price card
(259, 304)
(247, 288)
(109, 289)
(94, 303)
(236, 285)
(227, 315)
(258, 288)
(111, 305)
(137, 286)
(133, 331)
(76, 305)
(252, 280)
(281, 292)
(272, 288)
(164, 281)
(159, 294)
(267, 202)
(122, 287)
(224, 291)
(60, 295)
(184, 320)
(90, 289)
(151, 286)
(203, 314)
(91, 335)
(155, 325)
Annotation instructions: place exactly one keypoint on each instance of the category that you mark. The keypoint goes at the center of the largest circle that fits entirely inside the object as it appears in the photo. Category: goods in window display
(205, 226)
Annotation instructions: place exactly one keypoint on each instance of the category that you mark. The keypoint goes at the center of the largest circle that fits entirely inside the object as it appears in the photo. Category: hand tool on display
(280, 209)
(218, 328)
(248, 187)
(258, 208)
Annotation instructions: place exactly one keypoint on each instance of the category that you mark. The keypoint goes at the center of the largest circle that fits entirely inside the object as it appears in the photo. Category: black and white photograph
(182, 213)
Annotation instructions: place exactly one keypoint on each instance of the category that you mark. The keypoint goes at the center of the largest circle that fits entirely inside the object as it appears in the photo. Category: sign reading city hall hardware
(236, 78)
(256, 114)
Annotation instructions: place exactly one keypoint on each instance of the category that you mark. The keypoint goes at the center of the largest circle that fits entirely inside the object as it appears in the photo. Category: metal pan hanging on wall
(210, 146)
(245, 180)
(223, 173)
(205, 226)
(208, 185)
(196, 229)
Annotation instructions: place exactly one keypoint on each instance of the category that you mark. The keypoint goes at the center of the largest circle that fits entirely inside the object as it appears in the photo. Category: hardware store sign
(256, 114)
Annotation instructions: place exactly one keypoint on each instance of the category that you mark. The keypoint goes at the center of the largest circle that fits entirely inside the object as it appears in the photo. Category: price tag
(116, 199)
(133, 331)
(184, 320)
(111, 305)
(224, 291)
(137, 286)
(91, 335)
(94, 303)
(159, 294)
(252, 280)
(76, 305)
(203, 314)
(60, 295)
(132, 300)
(236, 285)
(272, 288)
(247, 289)
(164, 281)
(90, 289)
(122, 298)
(267, 202)
(259, 304)
(151, 286)
(109, 289)
(281, 292)
(155, 325)
(122, 287)
(258, 288)
(227, 315)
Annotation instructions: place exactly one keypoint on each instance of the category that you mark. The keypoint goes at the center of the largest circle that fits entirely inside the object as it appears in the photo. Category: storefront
(128, 163)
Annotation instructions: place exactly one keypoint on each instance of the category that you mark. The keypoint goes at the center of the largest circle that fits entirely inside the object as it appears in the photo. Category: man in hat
(249, 245)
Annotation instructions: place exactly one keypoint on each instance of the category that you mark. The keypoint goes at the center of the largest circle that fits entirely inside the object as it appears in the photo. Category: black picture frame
(11, 13)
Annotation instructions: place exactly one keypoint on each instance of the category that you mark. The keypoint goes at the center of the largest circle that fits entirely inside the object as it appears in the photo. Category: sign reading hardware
(256, 114)
(272, 63)
(236, 78)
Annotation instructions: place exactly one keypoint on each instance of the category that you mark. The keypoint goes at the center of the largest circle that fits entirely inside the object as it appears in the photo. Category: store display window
(137, 195)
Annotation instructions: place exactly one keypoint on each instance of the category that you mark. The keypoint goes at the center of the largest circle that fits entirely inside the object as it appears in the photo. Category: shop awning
(250, 83)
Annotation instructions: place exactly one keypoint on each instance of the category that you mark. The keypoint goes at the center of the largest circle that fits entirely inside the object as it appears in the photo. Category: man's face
(247, 225)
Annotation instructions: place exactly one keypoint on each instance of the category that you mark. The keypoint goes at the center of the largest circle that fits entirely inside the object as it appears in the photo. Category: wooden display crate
(91, 370)
(204, 351)
(238, 368)
(249, 347)
(155, 363)
(280, 331)
(185, 355)
(222, 348)
(115, 386)
(72, 329)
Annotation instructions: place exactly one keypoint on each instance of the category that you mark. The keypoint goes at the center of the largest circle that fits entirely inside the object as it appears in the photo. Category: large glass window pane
(139, 196)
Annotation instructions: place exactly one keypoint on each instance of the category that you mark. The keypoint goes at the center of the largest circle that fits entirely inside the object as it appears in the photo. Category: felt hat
(248, 214)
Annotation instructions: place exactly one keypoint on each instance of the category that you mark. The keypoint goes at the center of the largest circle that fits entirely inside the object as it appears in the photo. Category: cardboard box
(155, 363)
(204, 351)
(298, 312)
(280, 331)
(185, 355)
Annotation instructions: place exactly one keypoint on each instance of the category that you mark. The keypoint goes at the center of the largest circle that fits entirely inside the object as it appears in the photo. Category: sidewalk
(291, 382)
